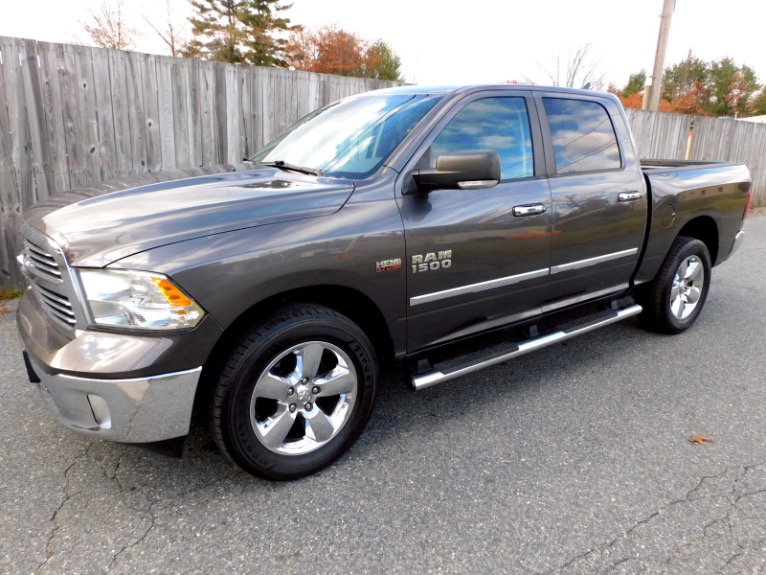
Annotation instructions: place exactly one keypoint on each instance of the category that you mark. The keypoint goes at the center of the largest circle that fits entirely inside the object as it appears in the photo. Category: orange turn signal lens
(172, 293)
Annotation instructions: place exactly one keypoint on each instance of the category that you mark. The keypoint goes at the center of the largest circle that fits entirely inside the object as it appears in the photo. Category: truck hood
(111, 225)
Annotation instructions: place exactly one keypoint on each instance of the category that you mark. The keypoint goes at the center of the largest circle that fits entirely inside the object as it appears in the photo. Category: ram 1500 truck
(439, 230)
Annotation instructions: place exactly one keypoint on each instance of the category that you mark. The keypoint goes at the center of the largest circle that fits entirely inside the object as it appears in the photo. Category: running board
(433, 376)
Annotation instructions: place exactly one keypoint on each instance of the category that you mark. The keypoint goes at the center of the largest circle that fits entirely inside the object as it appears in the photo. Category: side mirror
(461, 170)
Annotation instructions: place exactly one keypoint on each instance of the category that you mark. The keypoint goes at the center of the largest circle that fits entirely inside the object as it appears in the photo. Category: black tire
(275, 411)
(674, 300)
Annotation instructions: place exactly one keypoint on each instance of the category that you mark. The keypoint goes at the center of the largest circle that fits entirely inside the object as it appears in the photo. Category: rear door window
(583, 136)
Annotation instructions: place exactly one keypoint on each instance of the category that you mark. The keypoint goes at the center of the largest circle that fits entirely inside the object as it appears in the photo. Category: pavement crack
(739, 553)
(572, 560)
(702, 482)
(144, 535)
(54, 516)
(692, 495)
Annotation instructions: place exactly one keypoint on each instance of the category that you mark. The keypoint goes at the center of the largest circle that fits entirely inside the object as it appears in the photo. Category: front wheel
(295, 394)
(674, 300)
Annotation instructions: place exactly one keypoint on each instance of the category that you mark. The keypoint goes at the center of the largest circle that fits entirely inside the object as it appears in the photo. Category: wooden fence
(666, 136)
(73, 115)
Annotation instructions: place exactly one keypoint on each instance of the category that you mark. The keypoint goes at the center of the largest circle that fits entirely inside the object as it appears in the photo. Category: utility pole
(659, 57)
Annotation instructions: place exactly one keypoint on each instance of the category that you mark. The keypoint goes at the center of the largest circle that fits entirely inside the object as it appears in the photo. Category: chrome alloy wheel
(303, 398)
(687, 288)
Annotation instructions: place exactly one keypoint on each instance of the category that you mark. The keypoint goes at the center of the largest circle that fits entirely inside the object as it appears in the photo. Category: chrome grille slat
(50, 278)
(61, 308)
(53, 296)
(43, 263)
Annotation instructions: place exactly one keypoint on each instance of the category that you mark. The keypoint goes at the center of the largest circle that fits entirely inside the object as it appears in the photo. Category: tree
(679, 78)
(382, 63)
(108, 28)
(692, 101)
(170, 32)
(577, 71)
(635, 85)
(329, 50)
(634, 100)
(332, 50)
(758, 105)
(237, 31)
(730, 87)
(717, 88)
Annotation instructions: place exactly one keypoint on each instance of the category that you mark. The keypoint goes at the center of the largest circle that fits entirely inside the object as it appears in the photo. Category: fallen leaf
(699, 439)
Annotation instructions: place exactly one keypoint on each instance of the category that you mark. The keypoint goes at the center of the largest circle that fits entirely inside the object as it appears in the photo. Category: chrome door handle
(629, 196)
(529, 210)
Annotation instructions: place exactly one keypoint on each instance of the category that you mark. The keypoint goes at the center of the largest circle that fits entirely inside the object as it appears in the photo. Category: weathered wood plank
(121, 118)
(136, 113)
(107, 146)
(218, 101)
(165, 106)
(16, 179)
(10, 206)
(207, 95)
(195, 87)
(232, 116)
(249, 117)
(182, 114)
(21, 148)
(54, 118)
(38, 134)
(68, 82)
(86, 112)
(147, 66)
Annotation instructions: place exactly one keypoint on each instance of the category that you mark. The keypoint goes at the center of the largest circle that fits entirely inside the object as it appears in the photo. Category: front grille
(49, 277)
(41, 263)
(57, 306)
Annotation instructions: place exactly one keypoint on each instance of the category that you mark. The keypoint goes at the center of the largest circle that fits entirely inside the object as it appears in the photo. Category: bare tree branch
(108, 28)
(579, 72)
(171, 32)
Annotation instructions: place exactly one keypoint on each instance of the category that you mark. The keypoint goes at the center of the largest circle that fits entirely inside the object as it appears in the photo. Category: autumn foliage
(693, 86)
(637, 101)
(332, 50)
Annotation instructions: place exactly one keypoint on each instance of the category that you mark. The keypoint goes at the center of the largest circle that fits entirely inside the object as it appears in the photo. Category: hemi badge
(388, 265)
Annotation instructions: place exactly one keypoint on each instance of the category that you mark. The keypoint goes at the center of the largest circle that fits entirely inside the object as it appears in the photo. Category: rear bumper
(738, 241)
(136, 410)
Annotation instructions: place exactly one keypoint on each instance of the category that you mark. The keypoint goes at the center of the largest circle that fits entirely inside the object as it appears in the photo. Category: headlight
(140, 300)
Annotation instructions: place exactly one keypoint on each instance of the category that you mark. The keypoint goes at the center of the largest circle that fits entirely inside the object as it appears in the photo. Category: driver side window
(499, 124)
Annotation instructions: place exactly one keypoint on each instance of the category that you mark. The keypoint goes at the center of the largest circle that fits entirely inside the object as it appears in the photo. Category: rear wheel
(675, 298)
(295, 394)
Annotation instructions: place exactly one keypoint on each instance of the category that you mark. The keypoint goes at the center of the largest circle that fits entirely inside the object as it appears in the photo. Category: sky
(476, 41)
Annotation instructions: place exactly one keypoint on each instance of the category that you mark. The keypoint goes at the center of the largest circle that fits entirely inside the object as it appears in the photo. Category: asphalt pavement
(573, 459)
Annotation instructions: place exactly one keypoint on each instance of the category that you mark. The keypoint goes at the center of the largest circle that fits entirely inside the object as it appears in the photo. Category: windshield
(351, 138)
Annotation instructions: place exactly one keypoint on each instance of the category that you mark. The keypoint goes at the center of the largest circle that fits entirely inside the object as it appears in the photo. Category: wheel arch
(353, 304)
(705, 229)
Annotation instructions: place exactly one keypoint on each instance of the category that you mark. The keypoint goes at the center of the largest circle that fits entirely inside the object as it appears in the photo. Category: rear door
(598, 194)
(478, 259)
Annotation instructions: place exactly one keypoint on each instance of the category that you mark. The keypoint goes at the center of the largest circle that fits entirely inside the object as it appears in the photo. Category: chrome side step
(435, 375)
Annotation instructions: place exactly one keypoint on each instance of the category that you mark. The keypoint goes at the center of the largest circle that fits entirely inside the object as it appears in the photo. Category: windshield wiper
(291, 167)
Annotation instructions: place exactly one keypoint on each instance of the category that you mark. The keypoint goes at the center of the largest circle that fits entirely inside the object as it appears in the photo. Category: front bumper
(129, 388)
(136, 410)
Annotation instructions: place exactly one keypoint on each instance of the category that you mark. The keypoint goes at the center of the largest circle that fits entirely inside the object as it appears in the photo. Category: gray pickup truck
(438, 231)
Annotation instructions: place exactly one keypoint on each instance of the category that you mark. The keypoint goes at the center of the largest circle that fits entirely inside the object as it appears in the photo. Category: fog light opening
(100, 411)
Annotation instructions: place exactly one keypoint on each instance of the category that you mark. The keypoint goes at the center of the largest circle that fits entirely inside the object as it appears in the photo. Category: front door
(478, 259)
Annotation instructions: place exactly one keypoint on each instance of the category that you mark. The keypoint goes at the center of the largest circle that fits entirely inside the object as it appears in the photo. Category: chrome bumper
(737, 242)
(140, 410)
